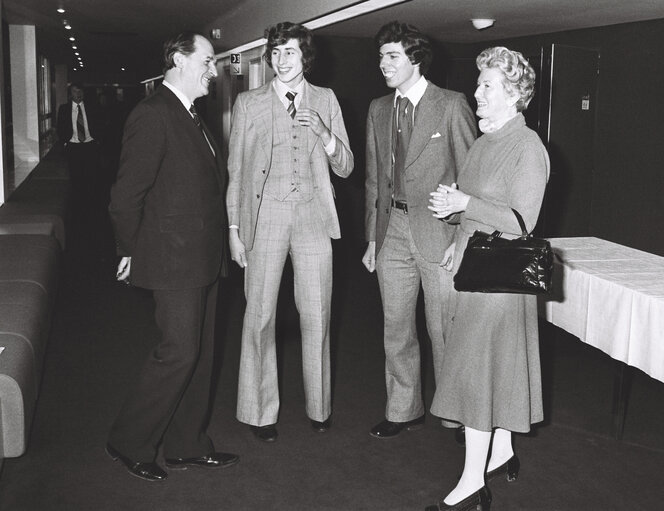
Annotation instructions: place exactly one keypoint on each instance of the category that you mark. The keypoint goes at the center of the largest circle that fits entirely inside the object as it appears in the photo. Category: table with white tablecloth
(610, 297)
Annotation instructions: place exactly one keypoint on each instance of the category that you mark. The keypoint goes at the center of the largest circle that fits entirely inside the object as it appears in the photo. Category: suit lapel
(314, 101)
(427, 117)
(260, 111)
(383, 128)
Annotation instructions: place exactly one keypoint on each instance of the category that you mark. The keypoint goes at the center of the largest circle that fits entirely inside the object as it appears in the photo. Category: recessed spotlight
(76, 53)
(74, 47)
(122, 69)
(60, 10)
(72, 38)
(68, 27)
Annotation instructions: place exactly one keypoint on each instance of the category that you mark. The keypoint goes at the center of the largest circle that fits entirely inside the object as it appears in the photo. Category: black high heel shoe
(479, 501)
(510, 468)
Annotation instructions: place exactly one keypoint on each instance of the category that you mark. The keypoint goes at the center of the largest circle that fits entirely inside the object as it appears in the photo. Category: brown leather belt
(400, 205)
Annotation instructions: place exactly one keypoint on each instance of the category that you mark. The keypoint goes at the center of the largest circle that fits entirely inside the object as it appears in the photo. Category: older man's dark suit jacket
(168, 205)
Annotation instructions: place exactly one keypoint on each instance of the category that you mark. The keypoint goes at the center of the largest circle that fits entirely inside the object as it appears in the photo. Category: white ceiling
(128, 33)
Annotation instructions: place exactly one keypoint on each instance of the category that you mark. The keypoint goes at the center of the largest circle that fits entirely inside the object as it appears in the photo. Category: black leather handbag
(492, 264)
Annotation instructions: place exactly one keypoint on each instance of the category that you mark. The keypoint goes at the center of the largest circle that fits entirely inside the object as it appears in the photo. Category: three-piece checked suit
(410, 244)
(281, 198)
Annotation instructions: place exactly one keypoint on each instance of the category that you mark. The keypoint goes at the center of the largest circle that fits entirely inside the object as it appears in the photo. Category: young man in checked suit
(417, 138)
(285, 137)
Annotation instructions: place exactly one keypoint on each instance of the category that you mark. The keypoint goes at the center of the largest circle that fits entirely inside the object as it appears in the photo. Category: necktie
(197, 120)
(80, 125)
(402, 127)
(291, 105)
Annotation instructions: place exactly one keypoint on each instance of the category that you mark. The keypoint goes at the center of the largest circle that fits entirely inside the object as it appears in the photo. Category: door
(567, 127)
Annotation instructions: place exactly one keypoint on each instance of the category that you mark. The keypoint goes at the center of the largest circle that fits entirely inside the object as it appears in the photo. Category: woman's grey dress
(490, 376)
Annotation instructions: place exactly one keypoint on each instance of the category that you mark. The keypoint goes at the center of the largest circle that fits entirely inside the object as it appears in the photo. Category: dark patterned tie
(291, 105)
(402, 125)
(197, 120)
(80, 125)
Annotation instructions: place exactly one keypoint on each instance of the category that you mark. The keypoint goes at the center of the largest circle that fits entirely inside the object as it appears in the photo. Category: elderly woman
(490, 377)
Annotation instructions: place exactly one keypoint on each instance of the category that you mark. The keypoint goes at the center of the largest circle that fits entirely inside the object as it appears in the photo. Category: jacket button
(258, 196)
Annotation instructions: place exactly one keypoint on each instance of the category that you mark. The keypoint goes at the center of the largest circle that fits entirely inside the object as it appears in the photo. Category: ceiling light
(76, 53)
(60, 10)
(482, 23)
(74, 47)
(68, 26)
(72, 38)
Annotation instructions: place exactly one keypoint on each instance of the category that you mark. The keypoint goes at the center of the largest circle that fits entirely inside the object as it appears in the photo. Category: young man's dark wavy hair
(416, 45)
(281, 33)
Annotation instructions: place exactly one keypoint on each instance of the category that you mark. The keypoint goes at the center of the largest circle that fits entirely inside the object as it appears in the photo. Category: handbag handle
(522, 224)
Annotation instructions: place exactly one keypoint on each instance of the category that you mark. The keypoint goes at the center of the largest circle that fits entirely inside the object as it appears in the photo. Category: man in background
(79, 129)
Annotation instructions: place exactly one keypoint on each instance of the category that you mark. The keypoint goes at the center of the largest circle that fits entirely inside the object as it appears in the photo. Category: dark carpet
(102, 330)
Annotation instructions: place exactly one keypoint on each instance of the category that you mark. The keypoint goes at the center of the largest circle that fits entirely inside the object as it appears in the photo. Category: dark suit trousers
(170, 401)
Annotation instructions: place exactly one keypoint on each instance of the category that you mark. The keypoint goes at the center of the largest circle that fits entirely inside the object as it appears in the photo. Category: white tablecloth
(611, 297)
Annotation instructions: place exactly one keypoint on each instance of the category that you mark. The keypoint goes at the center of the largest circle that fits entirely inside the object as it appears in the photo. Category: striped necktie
(80, 125)
(291, 105)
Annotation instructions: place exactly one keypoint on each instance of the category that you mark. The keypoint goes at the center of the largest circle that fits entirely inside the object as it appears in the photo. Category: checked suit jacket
(250, 154)
(443, 131)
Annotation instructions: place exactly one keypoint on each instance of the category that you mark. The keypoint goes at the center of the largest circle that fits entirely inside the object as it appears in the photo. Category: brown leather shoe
(389, 429)
(213, 460)
(149, 471)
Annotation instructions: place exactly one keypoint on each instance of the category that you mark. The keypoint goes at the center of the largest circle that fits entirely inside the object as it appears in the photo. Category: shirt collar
(179, 94)
(415, 93)
(281, 89)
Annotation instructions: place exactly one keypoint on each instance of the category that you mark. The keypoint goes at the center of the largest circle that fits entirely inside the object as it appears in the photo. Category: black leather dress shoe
(213, 460)
(389, 429)
(148, 471)
(460, 435)
(480, 501)
(510, 468)
(321, 427)
(265, 433)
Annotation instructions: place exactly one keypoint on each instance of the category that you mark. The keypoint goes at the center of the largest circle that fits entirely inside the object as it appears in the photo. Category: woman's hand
(448, 258)
(447, 200)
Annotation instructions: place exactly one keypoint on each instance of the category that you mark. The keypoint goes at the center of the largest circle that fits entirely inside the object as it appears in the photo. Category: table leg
(621, 388)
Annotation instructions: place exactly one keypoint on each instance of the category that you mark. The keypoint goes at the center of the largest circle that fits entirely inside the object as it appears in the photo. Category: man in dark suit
(79, 130)
(168, 212)
(417, 138)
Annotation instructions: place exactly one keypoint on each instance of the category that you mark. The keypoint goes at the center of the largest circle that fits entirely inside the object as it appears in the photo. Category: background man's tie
(291, 105)
(80, 125)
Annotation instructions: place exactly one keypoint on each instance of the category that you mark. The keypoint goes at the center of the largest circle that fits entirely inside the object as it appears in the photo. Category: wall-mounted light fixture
(482, 23)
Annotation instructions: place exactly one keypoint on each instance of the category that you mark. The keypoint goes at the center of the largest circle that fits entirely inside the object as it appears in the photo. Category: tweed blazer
(167, 205)
(250, 157)
(444, 129)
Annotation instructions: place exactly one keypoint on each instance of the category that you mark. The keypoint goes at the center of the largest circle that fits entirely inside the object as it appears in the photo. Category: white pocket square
(436, 135)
